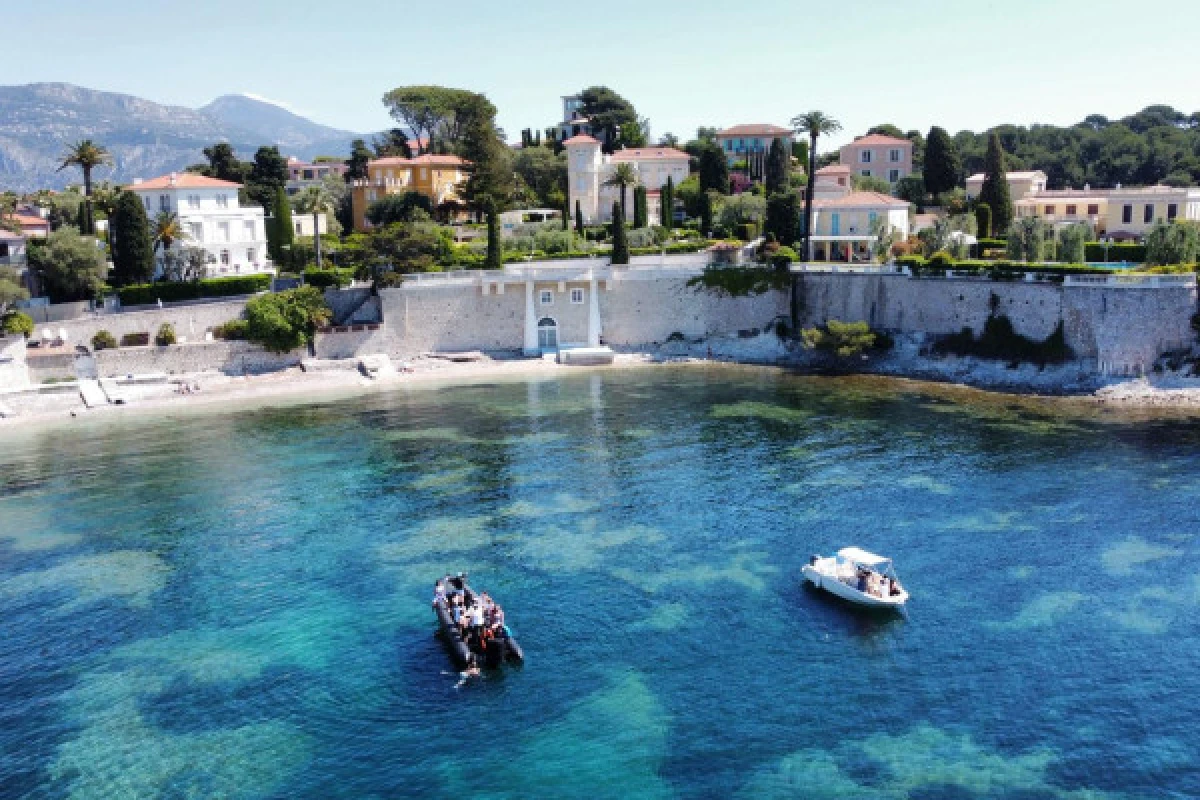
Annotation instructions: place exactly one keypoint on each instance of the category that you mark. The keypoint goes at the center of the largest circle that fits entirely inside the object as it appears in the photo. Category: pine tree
(995, 192)
(779, 162)
(129, 236)
(578, 218)
(983, 220)
(620, 246)
(281, 234)
(640, 215)
(667, 207)
(493, 260)
(942, 163)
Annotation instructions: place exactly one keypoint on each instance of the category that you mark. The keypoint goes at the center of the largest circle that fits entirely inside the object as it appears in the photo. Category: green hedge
(324, 278)
(999, 270)
(1133, 253)
(150, 293)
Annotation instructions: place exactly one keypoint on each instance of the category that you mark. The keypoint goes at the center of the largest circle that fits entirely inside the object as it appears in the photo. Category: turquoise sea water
(237, 606)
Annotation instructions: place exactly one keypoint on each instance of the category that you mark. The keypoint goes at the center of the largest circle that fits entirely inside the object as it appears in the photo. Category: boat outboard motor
(812, 560)
(493, 656)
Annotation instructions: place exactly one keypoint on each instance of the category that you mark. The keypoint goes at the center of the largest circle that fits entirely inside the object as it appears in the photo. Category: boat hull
(838, 587)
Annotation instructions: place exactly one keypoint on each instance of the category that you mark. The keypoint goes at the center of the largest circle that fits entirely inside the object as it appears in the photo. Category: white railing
(1131, 281)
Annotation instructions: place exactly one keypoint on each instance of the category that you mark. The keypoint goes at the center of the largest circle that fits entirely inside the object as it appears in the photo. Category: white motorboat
(859, 577)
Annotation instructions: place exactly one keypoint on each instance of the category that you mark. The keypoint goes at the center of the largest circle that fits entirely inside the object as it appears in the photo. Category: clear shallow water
(237, 606)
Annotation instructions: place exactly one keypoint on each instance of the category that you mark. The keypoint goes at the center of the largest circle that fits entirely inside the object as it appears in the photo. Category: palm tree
(86, 155)
(315, 200)
(812, 124)
(167, 230)
(624, 176)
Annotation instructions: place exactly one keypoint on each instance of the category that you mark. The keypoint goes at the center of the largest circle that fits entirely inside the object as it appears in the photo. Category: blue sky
(914, 63)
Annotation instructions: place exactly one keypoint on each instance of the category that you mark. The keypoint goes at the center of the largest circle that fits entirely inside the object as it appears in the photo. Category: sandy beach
(216, 392)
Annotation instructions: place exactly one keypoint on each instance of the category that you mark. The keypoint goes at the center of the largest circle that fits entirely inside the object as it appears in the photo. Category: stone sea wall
(633, 310)
(231, 358)
(1122, 329)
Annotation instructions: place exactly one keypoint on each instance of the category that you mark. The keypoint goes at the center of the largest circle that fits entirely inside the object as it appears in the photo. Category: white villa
(845, 222)
(588, 168)
(212, 219)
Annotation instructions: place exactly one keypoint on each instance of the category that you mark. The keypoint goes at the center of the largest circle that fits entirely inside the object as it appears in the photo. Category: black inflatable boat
(489, 647)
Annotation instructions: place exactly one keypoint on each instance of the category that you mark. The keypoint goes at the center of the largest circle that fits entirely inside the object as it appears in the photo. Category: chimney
(136, 181)
(174, 178)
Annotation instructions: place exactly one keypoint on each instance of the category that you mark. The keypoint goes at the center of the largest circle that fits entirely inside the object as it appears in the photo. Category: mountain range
(146, 139)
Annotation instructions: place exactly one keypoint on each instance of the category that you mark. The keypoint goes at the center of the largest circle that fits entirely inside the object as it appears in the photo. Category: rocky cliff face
(146, 139)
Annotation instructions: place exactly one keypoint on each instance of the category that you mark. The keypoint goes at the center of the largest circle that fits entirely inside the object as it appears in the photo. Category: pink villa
(879, 156)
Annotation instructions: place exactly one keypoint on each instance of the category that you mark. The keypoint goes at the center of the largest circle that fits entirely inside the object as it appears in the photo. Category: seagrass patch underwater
(238, 605)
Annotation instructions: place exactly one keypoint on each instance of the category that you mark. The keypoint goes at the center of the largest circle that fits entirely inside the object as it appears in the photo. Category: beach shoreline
(965, 378)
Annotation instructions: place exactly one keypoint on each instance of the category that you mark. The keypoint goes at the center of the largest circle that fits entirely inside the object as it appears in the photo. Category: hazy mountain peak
(146, 139)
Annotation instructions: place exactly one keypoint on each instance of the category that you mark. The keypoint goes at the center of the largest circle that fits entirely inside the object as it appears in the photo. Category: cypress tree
(566, 212)
(942, 164)
(667, 208)
(280, 233)
(83, 220)
(578, 218)
(778, 163)
(983, 220)
(620, 246)
(493, 260)
(640, 215)
(706, 214)
(714, 169)
(995, 192)
(783, 212)
(129, 236)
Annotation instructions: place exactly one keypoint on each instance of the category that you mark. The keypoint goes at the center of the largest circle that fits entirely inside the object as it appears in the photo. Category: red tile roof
(183, 180)
(754, 129)
(649, 154)
(30, 221)
(861, 200)
(834, 169)
(879, 138)
(582, 138)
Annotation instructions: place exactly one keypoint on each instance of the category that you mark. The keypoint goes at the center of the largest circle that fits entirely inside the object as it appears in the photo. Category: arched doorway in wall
(547, 334)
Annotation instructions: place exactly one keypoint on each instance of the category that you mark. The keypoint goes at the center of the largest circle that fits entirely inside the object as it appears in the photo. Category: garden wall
(190, 321)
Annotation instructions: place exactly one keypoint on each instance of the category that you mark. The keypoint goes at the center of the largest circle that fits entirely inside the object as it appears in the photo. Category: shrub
(324, 278)
(942, 260)
(165, 335)
(135, 340)
(783, 258)
(1133, 253)
(746, 231)
(17, 322)
(839, 339)
(103, 340)
(149, 293)
(286, 320)
(235, 329)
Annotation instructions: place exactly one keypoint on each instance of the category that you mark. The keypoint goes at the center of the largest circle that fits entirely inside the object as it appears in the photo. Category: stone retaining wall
(231, 358)
(1123, 329)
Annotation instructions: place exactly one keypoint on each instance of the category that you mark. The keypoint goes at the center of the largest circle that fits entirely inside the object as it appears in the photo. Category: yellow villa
(434, 176)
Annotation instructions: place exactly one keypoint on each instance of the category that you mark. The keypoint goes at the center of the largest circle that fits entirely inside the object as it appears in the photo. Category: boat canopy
(862, 557)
